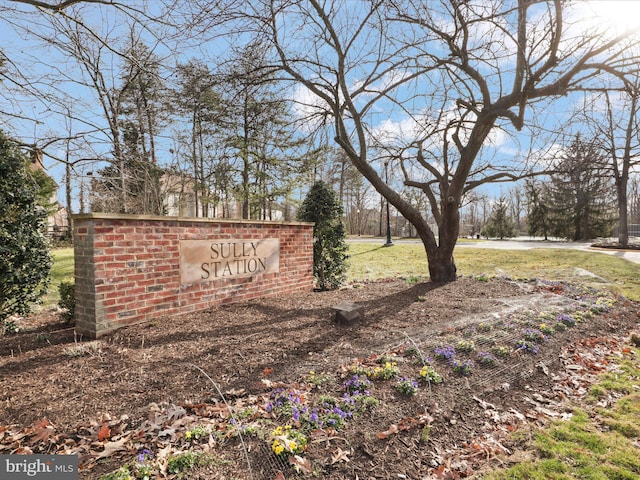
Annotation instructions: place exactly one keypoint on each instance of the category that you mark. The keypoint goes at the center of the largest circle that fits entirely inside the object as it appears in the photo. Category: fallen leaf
(392, 430)
(112, 447)
(303, 464)
(339, 455)
(104, 433)
(279, 476)
(43, 430)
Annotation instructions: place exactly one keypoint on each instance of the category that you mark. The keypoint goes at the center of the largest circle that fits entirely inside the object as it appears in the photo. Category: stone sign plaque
(208, 260)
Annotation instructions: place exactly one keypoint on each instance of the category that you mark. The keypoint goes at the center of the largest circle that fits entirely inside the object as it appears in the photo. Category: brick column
(128, 268)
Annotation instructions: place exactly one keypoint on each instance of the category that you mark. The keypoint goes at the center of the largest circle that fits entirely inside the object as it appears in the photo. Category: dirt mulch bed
(143, 387)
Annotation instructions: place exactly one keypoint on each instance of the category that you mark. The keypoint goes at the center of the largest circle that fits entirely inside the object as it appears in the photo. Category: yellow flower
(277, 447)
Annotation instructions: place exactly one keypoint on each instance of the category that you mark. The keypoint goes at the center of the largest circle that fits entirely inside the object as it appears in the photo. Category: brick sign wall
(131, 269)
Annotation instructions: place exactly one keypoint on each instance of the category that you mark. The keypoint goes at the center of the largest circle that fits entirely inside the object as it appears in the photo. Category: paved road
(522, 244)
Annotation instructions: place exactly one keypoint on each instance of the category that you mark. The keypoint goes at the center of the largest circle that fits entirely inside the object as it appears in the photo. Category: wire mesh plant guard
(262, 463)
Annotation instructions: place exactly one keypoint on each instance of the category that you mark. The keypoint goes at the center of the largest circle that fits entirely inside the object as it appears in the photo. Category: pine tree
(538, 222)
(329, 246)
(499, 225)
(581, 203)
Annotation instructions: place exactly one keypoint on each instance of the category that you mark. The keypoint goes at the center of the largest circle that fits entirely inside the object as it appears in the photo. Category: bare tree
(34, 87)
(614, 119)
(455, 74)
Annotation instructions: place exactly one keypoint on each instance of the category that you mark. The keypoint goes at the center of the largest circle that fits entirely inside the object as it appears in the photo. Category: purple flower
(445, 353)
(143, 454)
(567, 320)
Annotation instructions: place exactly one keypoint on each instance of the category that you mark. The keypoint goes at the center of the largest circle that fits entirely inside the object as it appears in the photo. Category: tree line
(400, 102)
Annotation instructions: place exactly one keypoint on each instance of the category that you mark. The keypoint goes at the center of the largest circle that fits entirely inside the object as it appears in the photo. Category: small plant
(123, 473)
(527, 346)
(500, 350)
(462, 367)
(196, 433)
(560, 327)
(178, 464)
(602, 305)
(466, 346)
(482, 277)
(286, 403)
(566, 320)
(484, 327)
(445, 353)
(385, 372)
(407, 386)
(288, 441)
(67, 301)
(486, 359)
(546, 329)
(43, 337)
(318, 379)
(428, 374)
(422, 298)
(357, 385)
(413, 352)
(332, 412)
(412, 280)
(9, 325)
(140, 469)
(534, 335)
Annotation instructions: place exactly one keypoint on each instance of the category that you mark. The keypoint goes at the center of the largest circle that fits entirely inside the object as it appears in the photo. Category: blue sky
(18, 44)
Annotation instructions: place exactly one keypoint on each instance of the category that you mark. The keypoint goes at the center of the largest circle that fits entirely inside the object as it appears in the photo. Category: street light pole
(386, 180)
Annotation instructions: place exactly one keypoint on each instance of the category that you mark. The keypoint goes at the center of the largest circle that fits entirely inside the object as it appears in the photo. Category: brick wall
(127, 267)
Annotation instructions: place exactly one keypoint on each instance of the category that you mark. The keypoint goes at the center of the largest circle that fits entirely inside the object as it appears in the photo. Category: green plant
(196, 433)
(43, 337)
(178, 464)
(412, 280)
(384, 372)
(67, 300)
(466, 346)
(486, 359)
(25, 261)
(288, 441)
(329, 243)
(318, 379)
(428, 374)
(462, 367)
(484, 327)
(408, 387)
(546, 329)
(9, 326)
(501, 350)
(123, 473)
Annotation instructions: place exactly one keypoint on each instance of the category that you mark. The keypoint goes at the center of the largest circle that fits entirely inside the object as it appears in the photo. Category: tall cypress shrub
(25, 261)
(329, 237)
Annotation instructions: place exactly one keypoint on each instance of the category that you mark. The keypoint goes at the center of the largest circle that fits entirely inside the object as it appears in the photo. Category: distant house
(179, 199)
(58, 218)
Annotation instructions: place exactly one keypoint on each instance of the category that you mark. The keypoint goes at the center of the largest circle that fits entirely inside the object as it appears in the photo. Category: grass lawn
(61, 271)
(370, 261)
